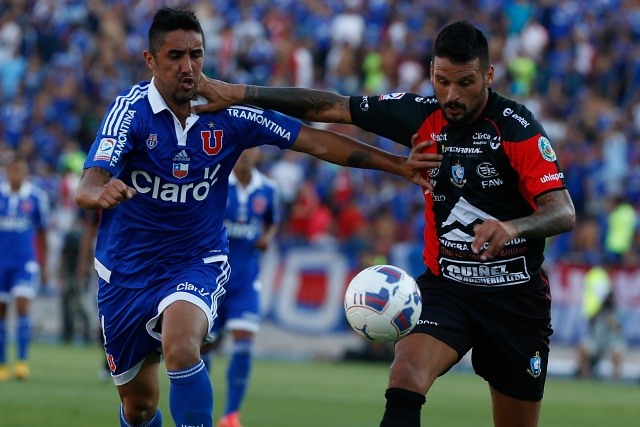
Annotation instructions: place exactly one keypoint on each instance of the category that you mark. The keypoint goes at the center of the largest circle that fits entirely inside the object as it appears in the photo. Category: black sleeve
(396, 116)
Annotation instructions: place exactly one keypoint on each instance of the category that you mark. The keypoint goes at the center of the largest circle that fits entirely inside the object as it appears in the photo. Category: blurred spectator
(620, 230)
(604, 334)
(74, 286)
(310, 218)
(24, 218)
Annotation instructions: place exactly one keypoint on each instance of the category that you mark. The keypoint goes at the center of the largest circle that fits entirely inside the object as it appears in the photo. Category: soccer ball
(382, 303)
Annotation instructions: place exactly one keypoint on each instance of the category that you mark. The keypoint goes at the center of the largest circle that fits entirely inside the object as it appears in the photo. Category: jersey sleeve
(264, 127)
(41, 215)
(396, 116)
(115, 136)
(536, 164)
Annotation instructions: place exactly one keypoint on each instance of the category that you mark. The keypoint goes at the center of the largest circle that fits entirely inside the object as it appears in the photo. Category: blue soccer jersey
(21, 215)
(249, 210)
(181, 178)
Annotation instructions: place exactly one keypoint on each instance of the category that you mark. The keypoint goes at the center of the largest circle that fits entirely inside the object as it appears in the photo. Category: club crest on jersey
(181, 164)
(259, 204)
(535, 365)
(111, 363)
(212, 147)
(457, 175)
(152, 141)
(544, 145)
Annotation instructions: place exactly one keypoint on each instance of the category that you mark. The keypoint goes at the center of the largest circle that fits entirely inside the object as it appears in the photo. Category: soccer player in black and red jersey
(497, 196)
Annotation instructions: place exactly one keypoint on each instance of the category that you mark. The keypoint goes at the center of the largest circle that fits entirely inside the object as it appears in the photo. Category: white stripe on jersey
(244, 107)
(120, 108)
(215, 258)
(221, 280)
(103, 272)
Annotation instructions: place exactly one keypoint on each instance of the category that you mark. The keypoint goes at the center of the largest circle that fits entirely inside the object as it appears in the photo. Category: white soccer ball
(382, 303)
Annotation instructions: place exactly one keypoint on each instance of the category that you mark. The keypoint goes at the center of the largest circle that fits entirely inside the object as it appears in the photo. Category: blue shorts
(129, 317)
(20, 280)
(240, 309)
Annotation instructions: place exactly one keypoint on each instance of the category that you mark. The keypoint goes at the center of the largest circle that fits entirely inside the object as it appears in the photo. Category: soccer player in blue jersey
(24, 218)
(251, 218)
(160, 175)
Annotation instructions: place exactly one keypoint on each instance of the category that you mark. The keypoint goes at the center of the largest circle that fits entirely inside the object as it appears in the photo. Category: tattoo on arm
(556, 215)
(307, 104)
(359, 159)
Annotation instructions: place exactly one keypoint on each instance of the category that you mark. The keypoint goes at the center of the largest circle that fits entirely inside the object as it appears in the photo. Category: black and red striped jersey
(493, 168)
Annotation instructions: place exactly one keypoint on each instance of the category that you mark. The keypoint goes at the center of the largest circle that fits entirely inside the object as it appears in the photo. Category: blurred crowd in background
(574, 63)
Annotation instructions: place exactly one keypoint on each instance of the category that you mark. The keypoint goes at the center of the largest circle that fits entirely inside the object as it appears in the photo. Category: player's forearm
(90, 187)
(556, 215)
(308, 104)
(345, 151)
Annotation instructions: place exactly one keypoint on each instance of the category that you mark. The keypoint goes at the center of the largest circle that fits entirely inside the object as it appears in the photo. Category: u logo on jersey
(214, 149)
(259, 204)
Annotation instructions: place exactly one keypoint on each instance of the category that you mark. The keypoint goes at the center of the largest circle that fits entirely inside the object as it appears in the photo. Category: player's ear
(149, 60)
(488, 77)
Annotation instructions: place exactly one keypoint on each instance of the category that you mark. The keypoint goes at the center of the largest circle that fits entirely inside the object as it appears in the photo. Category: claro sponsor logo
(158, 189)
(186, 286)
(552, 177)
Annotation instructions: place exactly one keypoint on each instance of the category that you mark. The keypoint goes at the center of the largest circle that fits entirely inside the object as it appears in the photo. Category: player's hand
(491, 236)
(220, 95)
(262, 244)
(115, 192)
(416, 166)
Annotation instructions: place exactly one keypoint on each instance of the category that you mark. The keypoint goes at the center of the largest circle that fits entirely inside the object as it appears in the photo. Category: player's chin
(183, 97)
(455, 119)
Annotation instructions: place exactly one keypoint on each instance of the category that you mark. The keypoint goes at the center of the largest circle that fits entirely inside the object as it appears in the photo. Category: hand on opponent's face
(420, 161)
(220, 95)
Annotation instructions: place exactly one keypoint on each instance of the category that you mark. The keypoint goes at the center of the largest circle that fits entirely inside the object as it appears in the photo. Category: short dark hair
(461, 42)
(166, 20)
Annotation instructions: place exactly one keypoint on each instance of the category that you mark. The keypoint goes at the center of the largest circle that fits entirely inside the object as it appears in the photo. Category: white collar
(25, 189)
(158, 103)
(256, 180)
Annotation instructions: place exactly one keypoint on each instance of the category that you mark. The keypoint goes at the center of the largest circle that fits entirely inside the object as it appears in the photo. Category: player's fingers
(418, 147)
(422, 182)
(211, 107)
(480, 237)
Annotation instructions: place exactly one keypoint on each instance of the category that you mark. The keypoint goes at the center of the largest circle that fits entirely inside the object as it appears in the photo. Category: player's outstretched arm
(98, 190)
(345, 151)
(307, 104)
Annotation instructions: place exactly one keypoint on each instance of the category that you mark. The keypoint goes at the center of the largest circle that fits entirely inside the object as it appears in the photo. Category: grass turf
(64, 389)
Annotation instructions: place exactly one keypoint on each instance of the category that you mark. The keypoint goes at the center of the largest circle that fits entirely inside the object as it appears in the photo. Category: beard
(464, 113)
(183, 97)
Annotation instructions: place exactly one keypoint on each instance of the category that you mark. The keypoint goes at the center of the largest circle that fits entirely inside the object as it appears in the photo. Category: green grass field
(64, 390)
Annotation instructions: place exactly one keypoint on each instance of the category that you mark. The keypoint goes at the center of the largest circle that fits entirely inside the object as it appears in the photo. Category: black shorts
(507, 328)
